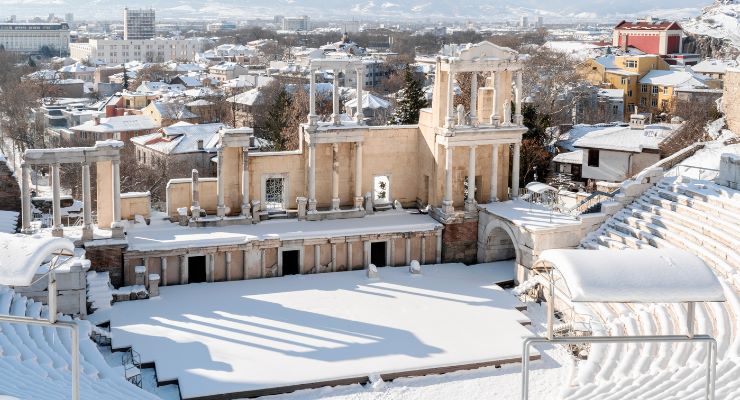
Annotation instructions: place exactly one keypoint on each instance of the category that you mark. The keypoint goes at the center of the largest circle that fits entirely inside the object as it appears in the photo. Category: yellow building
(658, 88)
(622, 72)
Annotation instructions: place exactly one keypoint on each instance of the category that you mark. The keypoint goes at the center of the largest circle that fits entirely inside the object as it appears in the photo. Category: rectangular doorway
(377, 254)
(291, 262)
(196, 269)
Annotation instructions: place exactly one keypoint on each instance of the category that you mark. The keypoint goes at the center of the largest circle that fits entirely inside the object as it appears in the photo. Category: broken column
(153, 285)
(140, 275)
(195, 190)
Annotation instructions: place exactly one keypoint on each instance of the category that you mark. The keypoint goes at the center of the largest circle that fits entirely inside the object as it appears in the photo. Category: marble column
(493, 196)
(450, 118)
(349, 256)
(407, 249)
(246, 212)
(316, 258)
(518, 119)
(311, 176)
(335, 176)
(183, 270)
(56, 200)
(312, 118)
(447, 203)
(221, 206)
(438, 250)
(228, 265)
(470, 203)
(87, 225)
(495, 116)
(474, 99)
(245, 265)
(163, 270)
(116, 172)
(515, 170)
(360, 117)
(336, 120)
(333, 257)
(195, 193)
(358, 175)
(25, 198)
(423, 255)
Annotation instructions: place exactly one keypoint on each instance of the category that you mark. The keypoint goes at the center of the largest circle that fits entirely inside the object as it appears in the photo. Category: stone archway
(498, 243)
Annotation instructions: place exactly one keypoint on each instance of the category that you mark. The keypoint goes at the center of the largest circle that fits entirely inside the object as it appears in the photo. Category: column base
(87, 233)
(495, 120)
(311, 205)
(471, 206)
(448, 208)
(221, 211)
(246, 212)
(335, 204)
(519, 119)
(313, 120)
(336, 120)
(494, 199)
(117, 230)
(57, 232)
(358, 202)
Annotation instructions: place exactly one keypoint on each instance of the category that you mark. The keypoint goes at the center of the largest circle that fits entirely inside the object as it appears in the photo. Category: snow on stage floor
(275, 335)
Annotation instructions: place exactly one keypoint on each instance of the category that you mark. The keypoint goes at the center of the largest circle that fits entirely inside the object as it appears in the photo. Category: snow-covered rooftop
(634, 276)
(570, 157)
(181, 138)
(117, 124)
(673, 78)
(623, 138)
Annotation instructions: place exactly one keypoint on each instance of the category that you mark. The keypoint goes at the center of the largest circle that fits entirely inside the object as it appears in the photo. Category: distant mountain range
(493, 10)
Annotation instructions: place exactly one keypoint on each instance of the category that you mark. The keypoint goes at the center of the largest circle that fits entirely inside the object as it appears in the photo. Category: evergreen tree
(277, 120)
(31, 63)
(125, 78)
(412, 100)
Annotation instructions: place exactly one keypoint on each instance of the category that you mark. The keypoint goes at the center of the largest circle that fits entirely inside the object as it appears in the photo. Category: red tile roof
(648, 26)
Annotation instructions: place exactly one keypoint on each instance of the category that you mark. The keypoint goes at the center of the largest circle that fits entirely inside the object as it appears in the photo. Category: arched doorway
(499, 246)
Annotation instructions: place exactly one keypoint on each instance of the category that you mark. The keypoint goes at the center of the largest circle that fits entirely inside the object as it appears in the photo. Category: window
(274, 189)
(664, 104)
(665, 90)
(654, 102)
(382, 185)
(644, 88)
(629, 93)
(593, 158)
(625, 80)
(643, 102)
(630, 64)
(655, 90)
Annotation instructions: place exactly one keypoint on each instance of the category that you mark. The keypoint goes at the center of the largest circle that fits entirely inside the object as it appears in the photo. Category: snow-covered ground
(250, 335)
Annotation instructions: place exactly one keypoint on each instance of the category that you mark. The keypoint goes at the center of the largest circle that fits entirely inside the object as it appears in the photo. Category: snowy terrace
(164, 235)
(259, 337)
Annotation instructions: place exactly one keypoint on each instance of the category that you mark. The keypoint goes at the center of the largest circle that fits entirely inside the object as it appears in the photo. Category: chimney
(119, 112)
(110, 110)
(96, 120)
(200, 144)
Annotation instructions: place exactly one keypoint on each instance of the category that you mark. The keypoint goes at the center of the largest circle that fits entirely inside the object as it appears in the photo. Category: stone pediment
(486, 50)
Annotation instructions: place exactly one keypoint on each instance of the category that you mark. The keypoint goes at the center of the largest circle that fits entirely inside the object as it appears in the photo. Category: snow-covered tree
(411, 100)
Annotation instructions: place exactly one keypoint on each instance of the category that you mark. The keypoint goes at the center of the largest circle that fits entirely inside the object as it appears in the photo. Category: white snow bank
(21, 256)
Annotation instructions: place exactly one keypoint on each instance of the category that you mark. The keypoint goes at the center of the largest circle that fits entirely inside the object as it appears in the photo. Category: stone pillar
(358, 175)
(335, 176)
(507, 109)
(245, 183)
(210, 267)
(262, 263)
(195, 194)
(25, 199)
(87, 226)
(116, 226)
(335, 100)
(408, 249)
(438, 250)
(493, 196)
(366, 253)
(228, 265)
(518, 118)
(153, 285)
(311, 177)
(163, 270)
(184, 269)
(470, 203)
(312, 118)
(474, 98)
(333, 257)
(423, 255)
(220, 207)
(302, 202)
(56, 200)
(245, 266)
(316, 258)
(447, 204)
(392, 253)
(349, 256)
(515, 171)
(495, 116)
(360, 117)
(450, 119)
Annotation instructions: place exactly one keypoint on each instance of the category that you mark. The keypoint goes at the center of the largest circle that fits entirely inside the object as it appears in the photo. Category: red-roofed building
(650, 36)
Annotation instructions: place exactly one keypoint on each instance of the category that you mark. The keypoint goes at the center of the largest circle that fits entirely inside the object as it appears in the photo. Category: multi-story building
(650, 36)
(113, 51)
(658, 89)
(296, 23)
(138, 24)
(33, 37)
(622, 72)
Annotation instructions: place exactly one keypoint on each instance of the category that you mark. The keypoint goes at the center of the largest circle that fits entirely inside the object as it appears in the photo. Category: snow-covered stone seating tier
(35, 361)
(702, 218)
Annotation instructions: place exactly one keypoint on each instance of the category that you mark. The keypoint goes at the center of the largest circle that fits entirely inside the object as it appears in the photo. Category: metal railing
(702, 173)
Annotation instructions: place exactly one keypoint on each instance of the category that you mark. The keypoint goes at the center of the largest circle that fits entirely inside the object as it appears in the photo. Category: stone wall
(731, 99)
(459, 242)
(107, 257)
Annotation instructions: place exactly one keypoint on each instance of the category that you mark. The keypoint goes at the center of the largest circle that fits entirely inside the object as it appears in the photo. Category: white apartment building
(113, 51)
(296, 23)
(31, 37)
(138, 24)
